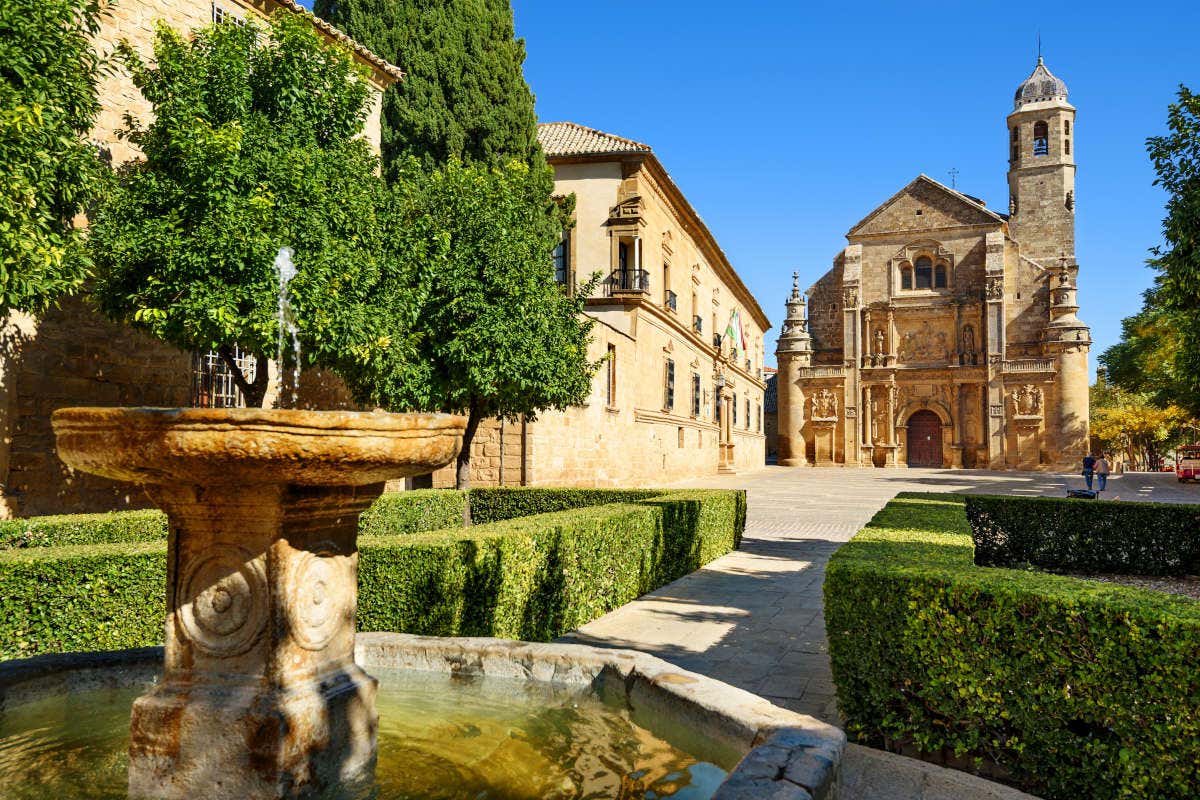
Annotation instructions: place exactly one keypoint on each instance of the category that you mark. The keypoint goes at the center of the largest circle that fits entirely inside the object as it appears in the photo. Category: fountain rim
(250, 446)
(786, 752)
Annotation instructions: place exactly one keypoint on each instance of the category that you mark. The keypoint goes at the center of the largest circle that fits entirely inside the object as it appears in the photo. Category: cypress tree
(464, 95)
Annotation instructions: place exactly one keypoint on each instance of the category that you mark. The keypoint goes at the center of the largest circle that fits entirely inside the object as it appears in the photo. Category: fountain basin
(783, 755)
(241, 446)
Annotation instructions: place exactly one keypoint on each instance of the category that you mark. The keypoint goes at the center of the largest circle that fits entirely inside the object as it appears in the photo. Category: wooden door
(924, 440)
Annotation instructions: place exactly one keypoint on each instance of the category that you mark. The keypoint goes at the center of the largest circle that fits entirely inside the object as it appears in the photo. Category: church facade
(946, 334)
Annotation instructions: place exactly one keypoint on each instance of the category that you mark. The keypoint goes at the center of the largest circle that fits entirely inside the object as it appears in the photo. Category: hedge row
(532, 578)
(393, 513)
(1067, 688)
(1085, 535)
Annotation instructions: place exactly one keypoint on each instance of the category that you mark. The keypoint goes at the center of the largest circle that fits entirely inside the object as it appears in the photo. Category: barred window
(562, 259)
(212, 380)
(733, 409)
(610, 388)
(695, 394)
(669, 385)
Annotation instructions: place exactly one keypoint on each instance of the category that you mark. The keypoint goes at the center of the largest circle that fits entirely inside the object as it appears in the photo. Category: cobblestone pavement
(753, 618)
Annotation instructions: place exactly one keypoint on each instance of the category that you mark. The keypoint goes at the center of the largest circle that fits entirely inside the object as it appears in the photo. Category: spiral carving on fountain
(225, 608)
(318, 611)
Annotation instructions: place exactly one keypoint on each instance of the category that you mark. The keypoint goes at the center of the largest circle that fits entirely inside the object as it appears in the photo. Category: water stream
(286, 270)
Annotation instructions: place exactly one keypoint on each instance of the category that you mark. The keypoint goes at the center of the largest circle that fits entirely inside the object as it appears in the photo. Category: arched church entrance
(924, 439)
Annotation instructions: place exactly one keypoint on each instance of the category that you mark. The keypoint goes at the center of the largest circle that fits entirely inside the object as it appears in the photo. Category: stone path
(753, 618)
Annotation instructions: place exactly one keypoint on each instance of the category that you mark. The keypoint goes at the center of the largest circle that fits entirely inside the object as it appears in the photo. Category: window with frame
(221, 14)
(212, 384)
(562, 259)
(939, 276)
(760, 417)
(923, 273)
(669, 385)
(1041, 139)
(610, 382)
(906, 276)
(733, 409)
(695, 394)
(747, 413)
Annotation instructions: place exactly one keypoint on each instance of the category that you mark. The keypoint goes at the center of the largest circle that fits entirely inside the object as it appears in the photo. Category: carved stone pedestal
(259, 687)
(260, 696)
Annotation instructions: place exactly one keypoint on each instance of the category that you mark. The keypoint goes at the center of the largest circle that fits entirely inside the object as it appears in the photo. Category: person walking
(1102, 470)
(1089, 469)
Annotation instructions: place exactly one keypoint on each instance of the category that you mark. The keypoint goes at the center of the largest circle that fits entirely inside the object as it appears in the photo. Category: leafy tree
(464, 95)
(254, 146)
(1176, 158)
(47, 172)
(1133, 424)
(1143, 362)
(497, 337)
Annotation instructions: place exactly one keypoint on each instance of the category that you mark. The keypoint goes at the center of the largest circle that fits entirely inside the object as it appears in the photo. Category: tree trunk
(462, 475)
(254, 393)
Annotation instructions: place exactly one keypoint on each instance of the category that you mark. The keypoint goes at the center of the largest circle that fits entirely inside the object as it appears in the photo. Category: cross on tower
(953, 177)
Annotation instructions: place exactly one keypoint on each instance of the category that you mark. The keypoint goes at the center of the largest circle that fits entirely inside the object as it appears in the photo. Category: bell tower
(1041, 168)
(794, 352)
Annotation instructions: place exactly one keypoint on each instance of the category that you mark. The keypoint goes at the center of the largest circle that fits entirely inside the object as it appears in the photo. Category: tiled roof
(387, 68)
(569, 139)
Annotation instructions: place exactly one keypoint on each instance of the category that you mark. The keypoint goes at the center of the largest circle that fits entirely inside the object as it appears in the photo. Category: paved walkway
(753, 618)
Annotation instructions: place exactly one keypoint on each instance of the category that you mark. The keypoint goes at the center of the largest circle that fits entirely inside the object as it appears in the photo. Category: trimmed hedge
(70, 529)
(1085, 535)
(393, 513)
(408, 512)
(533, 578)
(496, 504)
(1066, 687)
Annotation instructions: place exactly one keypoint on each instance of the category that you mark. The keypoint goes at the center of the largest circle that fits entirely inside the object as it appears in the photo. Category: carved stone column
(893, 447)
(956, 446)
(259, 681)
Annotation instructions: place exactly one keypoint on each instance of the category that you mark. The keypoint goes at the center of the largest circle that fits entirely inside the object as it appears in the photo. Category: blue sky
(786, 122)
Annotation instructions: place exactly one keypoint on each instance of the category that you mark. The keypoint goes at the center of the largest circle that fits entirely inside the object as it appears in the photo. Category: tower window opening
(1067, 127)
(1016, 134)
(924, 270)
(906, 276)
(939, 276)
(1041, 139)
(1067, 146)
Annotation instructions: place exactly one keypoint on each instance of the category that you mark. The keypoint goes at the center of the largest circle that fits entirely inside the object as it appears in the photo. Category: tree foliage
(255, 145)
(48, 173)
(1133, 424)
(464, 95)
(496, 336)
(1176, 158)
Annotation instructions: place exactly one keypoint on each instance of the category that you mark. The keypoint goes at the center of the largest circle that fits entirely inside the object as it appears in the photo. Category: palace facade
(946, 334)
(680, 391)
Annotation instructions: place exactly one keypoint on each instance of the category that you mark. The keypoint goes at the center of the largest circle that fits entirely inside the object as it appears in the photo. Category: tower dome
(1040, 87)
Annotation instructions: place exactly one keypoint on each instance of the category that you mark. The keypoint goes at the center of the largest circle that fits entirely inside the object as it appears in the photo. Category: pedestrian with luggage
(1102, 470)
(1089, 469)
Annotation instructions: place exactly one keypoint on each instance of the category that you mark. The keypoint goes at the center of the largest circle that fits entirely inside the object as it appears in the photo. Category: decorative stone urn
(260, 695)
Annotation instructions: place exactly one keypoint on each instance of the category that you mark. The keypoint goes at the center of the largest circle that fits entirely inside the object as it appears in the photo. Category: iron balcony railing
(627, 281)
(671, 301)
(698, 324)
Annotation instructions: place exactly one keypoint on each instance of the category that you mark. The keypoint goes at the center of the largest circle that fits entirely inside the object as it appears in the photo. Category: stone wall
(76, 357)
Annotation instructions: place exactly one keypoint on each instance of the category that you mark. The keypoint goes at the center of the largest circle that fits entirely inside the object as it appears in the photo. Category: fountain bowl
(246, 445)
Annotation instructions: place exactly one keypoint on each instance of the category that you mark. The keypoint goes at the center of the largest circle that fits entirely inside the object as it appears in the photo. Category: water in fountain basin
(286, 270)
(440, 738)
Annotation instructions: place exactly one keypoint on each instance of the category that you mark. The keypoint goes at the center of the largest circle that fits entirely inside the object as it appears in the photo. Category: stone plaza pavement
(753, 618)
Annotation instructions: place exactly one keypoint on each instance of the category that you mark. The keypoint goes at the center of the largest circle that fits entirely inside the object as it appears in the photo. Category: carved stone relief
(924, 345)
(1027, 401)
(824, 405)
(995, 287)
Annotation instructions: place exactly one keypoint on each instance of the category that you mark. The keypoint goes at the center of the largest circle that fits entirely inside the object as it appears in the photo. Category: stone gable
(924, 205)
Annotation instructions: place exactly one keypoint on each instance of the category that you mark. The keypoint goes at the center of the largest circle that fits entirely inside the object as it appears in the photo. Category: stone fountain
(260, 696)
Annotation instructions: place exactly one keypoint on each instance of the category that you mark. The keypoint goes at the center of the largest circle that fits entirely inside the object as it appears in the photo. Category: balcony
(627, 282)
(698, 324)
(717, 340)
(671, 301)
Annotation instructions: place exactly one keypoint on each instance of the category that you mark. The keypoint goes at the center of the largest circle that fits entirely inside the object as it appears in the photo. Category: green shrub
(1069, 688)
(534, 577)
(496, 504)
(71, 529)
(408, 512)
(1085, 535)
